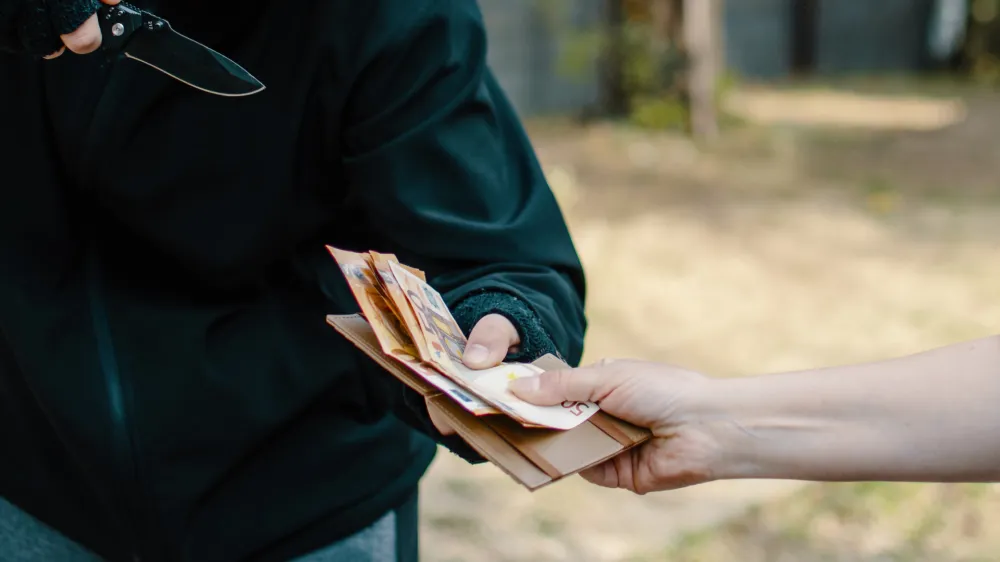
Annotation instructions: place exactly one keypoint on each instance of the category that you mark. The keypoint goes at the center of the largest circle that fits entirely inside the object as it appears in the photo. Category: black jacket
(169, 389)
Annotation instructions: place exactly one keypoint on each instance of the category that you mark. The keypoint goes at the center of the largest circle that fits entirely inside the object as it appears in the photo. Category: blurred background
(754, 185)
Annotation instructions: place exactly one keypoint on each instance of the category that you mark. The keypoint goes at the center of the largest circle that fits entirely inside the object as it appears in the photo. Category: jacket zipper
(125, 458)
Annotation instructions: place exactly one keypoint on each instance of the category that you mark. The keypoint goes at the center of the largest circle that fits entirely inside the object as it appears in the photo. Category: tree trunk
(666, 18)
(613, 97)
(805, 20)
(702, 23)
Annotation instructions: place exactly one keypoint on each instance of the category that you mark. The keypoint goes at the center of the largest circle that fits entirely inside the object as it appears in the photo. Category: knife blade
(149, 39)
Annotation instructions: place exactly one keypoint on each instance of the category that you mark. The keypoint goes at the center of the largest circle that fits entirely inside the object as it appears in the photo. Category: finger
(110, 2)
(603, 475)
(625, 465)
(85, 39)
(439, 420)
(489, 342)
(587, 384)
(56, 54)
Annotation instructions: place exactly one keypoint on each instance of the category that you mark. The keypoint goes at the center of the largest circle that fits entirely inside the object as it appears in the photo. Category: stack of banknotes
(414, 326)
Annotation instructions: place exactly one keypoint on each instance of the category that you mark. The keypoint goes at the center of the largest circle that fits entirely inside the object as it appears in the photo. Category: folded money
(414, 326)
(396, 340)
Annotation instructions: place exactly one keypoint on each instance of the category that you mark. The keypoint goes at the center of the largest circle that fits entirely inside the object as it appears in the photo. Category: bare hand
(492, 338)
(682, 451)
(86, 38)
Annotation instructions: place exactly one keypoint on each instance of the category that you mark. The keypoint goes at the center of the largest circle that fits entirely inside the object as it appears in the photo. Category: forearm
(930, 417)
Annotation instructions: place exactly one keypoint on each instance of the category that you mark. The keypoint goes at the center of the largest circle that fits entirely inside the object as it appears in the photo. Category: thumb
(489, 342)
(587, 384)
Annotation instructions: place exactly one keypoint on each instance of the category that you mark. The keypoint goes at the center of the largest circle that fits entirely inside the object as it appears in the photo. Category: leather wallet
(534, 457)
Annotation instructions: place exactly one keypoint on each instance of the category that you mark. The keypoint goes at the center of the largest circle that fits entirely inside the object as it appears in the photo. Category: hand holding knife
(149, 39)
(120, 27)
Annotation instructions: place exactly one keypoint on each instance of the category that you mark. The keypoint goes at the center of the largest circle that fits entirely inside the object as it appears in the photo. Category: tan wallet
(534, 457)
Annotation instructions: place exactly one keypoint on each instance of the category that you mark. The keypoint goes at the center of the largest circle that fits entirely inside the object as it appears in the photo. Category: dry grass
(870, 522)
(780, 248)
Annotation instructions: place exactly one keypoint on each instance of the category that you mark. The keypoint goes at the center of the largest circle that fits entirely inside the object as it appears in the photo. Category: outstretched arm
(933, 417)
(928, 417)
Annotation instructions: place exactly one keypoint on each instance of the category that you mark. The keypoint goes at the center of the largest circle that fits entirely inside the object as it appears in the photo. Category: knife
(149, 39)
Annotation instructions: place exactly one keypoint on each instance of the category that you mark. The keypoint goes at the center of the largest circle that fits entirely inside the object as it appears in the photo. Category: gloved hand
(47, 28)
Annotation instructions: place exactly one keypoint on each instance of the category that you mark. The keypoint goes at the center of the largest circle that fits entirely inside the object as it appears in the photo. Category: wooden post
(702, 24)
(805, 16)
(613, 97)
(666, 19)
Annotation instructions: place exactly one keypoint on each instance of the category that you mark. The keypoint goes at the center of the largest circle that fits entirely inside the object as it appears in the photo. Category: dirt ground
(835, 225)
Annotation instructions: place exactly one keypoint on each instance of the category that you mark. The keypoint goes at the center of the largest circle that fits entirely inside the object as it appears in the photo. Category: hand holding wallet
(407, 329)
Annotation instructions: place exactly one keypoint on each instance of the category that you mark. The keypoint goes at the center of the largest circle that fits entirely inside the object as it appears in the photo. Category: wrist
(713, 408)
(534, 340)
(761, 430)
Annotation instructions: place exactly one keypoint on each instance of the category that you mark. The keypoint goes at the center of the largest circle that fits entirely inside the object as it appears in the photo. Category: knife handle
(118, 23)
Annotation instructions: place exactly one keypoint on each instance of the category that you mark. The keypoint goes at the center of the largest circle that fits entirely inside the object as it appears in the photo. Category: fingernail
(525, 385)
(476, 353)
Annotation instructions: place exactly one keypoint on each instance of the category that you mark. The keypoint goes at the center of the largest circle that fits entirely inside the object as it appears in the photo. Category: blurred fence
(851, 36)
(530, 38)
(526, 42)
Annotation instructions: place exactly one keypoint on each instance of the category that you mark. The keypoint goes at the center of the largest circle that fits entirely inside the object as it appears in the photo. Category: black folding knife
(149, 39)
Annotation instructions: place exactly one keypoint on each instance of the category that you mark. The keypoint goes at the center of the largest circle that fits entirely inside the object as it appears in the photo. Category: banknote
(392, 257)
(383, 289)
(392, 334)
(445, 340)
(419, 274)
(446, 343)
(464, 397)
(373, 258)
(400, 304)
(414, 326)
(491, 385)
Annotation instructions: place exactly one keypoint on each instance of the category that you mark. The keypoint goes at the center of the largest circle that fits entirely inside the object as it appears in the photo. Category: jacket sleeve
(441, 165)
(34, 26)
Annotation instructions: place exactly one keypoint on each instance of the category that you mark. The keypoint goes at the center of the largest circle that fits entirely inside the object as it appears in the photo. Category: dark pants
(394, 538)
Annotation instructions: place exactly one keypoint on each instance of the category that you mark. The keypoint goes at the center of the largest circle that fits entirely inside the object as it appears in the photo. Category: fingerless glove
(535, 341)
(33, 27)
